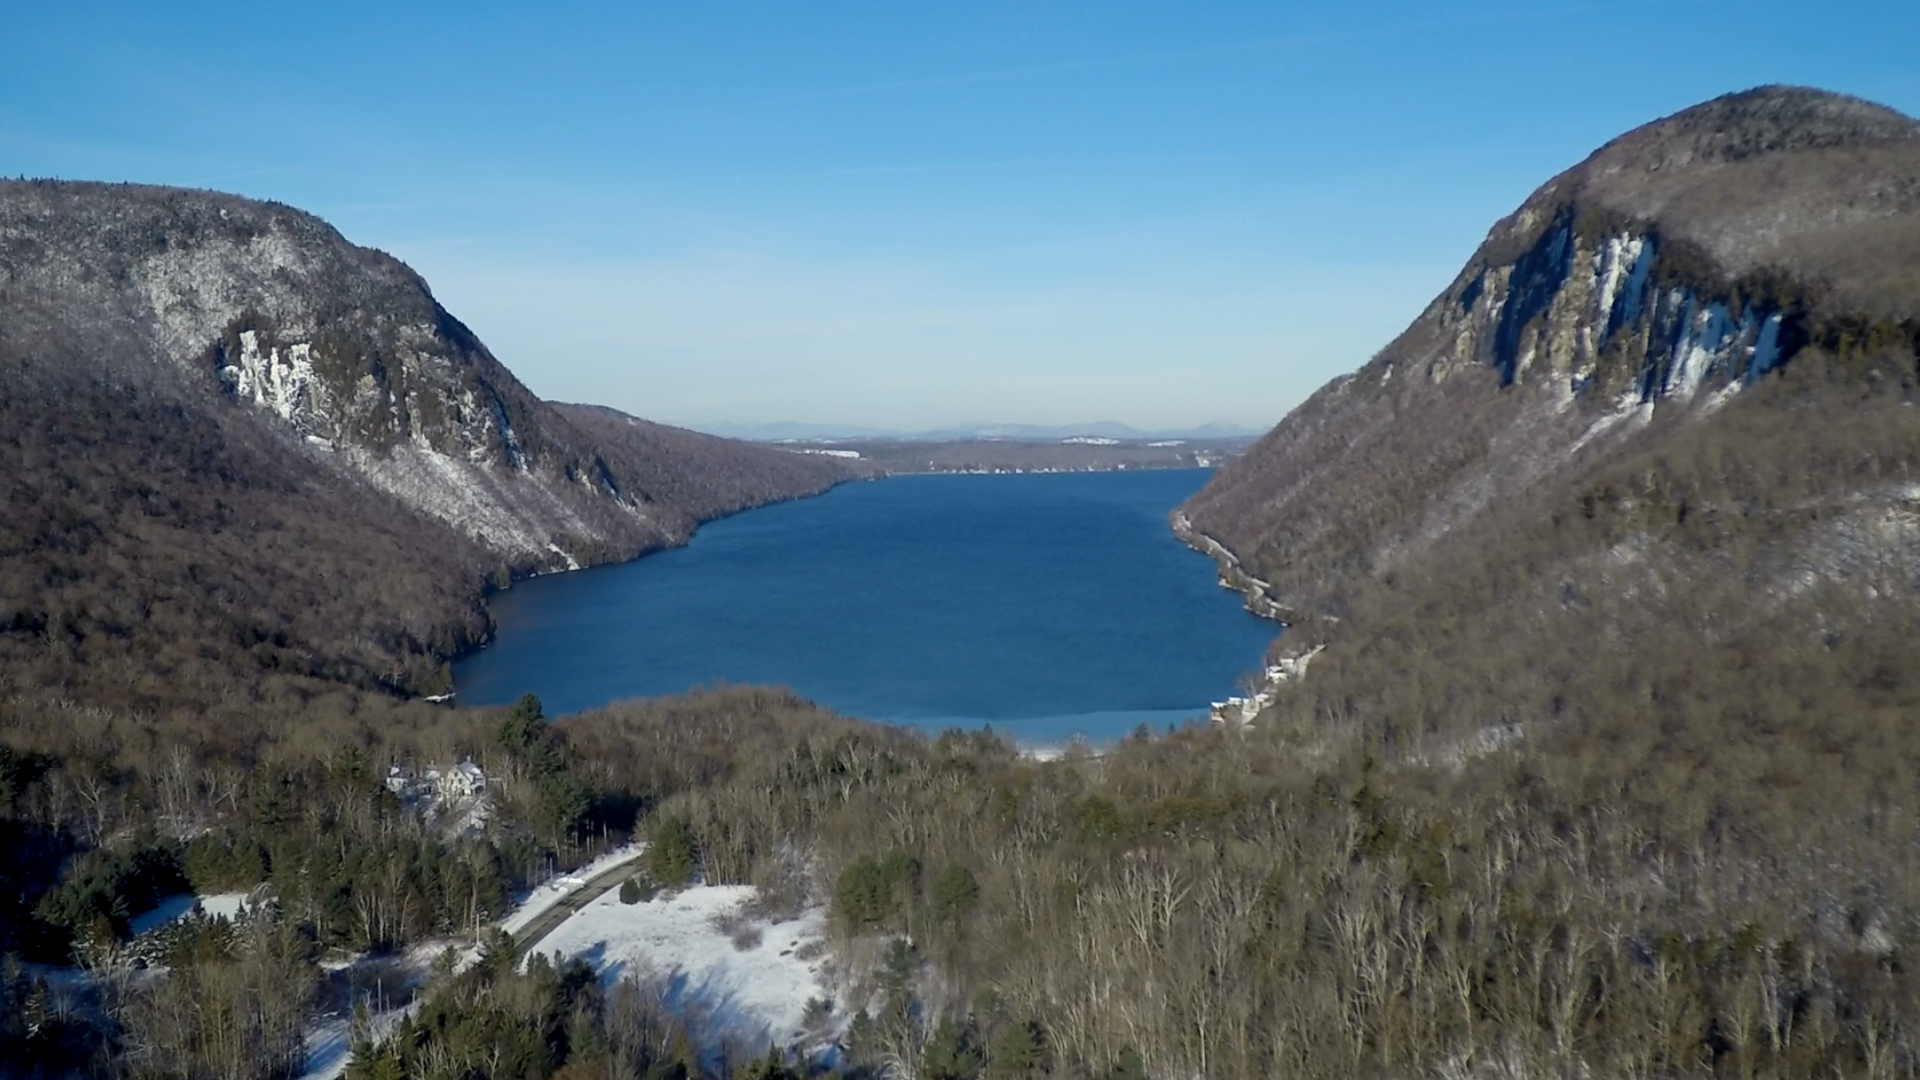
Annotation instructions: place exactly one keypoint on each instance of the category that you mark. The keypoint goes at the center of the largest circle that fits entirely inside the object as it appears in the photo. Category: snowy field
(739, 980)
(755, 995)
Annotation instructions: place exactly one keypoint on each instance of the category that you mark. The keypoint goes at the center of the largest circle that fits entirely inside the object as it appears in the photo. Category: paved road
(596, 886)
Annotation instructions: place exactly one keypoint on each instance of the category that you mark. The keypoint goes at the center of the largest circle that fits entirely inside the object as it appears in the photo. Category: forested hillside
(246, 459)
(1629, 518)
(1637, 902)
(1663, 420)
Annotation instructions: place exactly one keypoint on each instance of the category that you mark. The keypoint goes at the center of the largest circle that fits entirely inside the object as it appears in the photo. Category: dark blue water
(1043, 604)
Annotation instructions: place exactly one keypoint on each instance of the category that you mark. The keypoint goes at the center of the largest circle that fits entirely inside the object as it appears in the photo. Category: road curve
(566, 907)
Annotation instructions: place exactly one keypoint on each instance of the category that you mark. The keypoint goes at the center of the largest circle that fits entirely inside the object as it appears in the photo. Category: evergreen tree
(672, 856)
(952, 1053)
(1018, 1051)
(954, 892)
(1128, 1066)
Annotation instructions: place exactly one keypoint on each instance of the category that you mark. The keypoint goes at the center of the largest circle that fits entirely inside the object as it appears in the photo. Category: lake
(1046, 605)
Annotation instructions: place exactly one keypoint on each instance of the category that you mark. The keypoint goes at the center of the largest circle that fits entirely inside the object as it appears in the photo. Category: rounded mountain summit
(1658, 433)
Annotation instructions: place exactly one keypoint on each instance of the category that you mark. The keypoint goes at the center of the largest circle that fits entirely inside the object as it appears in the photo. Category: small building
(400, 779)
(463, 781)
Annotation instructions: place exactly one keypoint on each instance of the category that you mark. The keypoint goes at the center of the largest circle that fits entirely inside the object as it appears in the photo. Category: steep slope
(242, 447)
(694, 477)
(1672, 268)
(1655, 443)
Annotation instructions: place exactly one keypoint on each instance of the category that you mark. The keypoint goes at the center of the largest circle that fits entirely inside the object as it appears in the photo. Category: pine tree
(1128, 1066)
(672, 857)
(951, 1053)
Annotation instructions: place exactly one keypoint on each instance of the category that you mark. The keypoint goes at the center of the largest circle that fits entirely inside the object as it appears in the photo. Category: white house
(463, 781)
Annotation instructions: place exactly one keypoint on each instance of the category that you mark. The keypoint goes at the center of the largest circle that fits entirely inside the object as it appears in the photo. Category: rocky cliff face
(342, 347)
(1638, 292)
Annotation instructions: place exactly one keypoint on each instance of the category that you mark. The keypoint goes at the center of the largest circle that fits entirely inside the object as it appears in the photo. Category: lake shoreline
(927, 604)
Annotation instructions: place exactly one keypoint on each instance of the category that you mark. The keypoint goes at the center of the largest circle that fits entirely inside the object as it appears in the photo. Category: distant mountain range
(1108, 429)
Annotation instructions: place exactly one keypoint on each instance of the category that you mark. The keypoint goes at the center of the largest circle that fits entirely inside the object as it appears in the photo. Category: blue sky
(908, 214)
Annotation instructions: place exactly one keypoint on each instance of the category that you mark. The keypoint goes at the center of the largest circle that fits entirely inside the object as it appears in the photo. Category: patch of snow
(281, 381)
(1183, 442)
(329, 1037)
(177, 906)
(224, 905)
(508, 513)
(1613, 264)
(1628, 409)
(196, 291)
(1481, 743)
(329, 1040)
(1090, 440)
(1720, 397)
(757, 995)
(180, 905)
(329, 1048)
(572, 563)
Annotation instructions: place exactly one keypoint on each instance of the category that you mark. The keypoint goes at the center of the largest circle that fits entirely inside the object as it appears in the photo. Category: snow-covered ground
(177, 906)
(329, 1047)
(381, 983)
(330, 1040)
(756, 995)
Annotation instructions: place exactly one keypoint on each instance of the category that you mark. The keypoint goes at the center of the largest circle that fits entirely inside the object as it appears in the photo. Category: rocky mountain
(224, 419)
(1660, 428)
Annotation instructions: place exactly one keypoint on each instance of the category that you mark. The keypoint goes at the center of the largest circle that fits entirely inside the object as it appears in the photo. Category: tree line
(1682, 892)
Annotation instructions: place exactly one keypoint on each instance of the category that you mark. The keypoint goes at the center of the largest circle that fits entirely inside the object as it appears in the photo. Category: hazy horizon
(806, 429)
